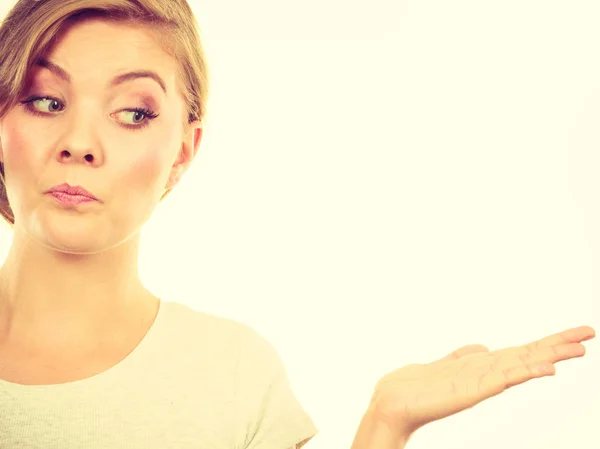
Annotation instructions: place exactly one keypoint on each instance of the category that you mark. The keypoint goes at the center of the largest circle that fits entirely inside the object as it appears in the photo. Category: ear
(189, 149)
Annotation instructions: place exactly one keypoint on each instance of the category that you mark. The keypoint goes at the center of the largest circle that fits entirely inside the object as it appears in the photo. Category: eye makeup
(146, 112)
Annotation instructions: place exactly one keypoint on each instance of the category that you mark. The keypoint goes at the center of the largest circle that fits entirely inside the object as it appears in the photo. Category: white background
(383, 182)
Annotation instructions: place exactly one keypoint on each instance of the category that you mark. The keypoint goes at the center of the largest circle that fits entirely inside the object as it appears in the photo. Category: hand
(410, 397)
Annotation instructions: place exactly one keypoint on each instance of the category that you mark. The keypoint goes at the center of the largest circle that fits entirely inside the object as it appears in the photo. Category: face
(122, 139)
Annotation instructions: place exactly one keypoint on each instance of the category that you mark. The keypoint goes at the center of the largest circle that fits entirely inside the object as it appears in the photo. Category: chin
(73, 244)
(72, 236)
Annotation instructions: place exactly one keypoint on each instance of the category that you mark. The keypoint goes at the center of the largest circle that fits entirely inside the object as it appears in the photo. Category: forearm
(374, 434)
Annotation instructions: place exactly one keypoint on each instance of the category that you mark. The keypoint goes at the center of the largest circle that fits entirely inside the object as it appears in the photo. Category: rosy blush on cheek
(19, 149)
(23, 169)
(146, 172)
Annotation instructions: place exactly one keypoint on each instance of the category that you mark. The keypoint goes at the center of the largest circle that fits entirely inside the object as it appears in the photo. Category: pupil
(54, 103)
(138, 116)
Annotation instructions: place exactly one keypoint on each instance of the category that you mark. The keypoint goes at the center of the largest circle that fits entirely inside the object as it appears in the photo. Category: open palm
(412, 396)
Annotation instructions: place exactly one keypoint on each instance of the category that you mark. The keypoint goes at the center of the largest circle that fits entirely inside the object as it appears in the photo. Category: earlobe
(173, 180)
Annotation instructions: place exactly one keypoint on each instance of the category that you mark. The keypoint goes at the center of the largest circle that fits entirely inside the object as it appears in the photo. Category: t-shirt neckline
(134, 356)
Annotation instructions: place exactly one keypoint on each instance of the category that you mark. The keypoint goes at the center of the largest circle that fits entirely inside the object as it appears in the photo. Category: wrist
(375, 433)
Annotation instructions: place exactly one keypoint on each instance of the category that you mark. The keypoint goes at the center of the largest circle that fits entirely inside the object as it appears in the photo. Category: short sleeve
(267, 413)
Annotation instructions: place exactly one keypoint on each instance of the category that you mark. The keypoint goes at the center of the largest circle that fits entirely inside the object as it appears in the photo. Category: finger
(465, 350)
(573, 335)
(496, 381)
(551, 354)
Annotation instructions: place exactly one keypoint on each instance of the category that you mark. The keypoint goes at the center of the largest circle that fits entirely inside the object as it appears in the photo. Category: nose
(77, 155)
(80, 142)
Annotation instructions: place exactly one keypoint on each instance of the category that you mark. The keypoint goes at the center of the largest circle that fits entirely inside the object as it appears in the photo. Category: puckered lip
(71, 190)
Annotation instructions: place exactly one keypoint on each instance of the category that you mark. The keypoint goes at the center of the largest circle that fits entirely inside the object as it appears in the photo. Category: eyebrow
(119, 79)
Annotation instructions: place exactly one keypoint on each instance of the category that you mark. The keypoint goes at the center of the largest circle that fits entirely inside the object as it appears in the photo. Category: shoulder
(185, 319)
(189, 326)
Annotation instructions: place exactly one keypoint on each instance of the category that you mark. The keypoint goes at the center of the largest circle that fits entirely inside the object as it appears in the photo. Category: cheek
(23, 174)
(17, 150)
(147, 172)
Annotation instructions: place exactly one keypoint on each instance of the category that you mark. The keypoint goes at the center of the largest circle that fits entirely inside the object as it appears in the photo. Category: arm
(372, 433)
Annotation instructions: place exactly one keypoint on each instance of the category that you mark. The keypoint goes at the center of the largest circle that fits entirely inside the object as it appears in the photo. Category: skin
(70, 278)
(411, 397)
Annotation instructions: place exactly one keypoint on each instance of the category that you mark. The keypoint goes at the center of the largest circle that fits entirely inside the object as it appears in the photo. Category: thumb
(465, 350)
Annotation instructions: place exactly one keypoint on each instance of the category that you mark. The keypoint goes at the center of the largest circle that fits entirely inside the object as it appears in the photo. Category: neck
(48, 294)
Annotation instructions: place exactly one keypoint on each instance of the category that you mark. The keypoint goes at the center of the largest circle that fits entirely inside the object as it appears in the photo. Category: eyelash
(149, 114)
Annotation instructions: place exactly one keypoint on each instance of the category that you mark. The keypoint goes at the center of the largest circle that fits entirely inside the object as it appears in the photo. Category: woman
(101, 113)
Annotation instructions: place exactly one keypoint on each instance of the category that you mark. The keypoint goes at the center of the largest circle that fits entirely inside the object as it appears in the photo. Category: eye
(44, 102)
(138, 116)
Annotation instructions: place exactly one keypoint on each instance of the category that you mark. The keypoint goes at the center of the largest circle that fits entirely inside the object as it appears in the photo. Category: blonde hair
(33, 26)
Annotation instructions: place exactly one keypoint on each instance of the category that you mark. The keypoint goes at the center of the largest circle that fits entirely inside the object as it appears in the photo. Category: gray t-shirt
(196, 381)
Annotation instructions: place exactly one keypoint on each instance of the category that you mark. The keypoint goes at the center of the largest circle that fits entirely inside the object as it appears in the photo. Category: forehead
(93, 49)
